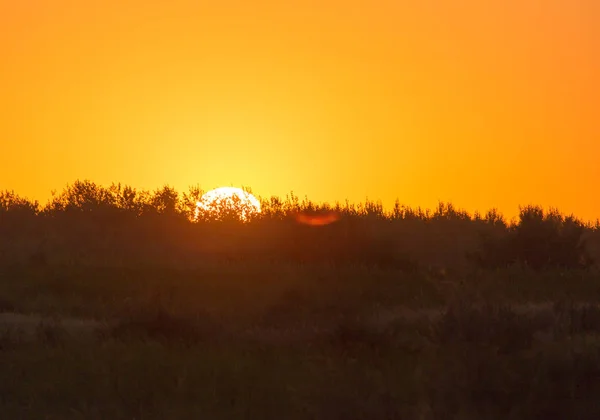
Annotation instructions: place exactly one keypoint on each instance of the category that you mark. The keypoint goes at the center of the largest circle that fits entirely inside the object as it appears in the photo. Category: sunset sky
(482, 103)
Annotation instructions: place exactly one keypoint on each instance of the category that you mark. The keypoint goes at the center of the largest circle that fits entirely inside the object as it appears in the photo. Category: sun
(225, 203)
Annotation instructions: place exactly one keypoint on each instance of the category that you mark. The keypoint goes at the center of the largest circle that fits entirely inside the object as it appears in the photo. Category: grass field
(280, 340)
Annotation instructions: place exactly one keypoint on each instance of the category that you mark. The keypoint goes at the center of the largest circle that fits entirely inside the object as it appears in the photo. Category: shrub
(539, 240)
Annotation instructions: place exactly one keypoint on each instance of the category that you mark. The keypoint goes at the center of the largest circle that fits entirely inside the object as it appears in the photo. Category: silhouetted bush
(11, 203)
(539, 240)
(19, 227)
(16, 213)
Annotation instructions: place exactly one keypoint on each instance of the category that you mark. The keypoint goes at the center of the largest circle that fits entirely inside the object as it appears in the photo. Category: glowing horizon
(481, 104)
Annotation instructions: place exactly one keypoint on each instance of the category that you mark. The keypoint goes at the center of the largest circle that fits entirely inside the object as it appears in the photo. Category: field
(154, 317)
(297, 341)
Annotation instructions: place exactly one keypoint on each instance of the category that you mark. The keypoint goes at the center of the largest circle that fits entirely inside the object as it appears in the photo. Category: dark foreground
(279, 341)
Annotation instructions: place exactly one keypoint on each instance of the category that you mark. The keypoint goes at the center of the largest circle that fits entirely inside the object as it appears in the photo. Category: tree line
(87, 223)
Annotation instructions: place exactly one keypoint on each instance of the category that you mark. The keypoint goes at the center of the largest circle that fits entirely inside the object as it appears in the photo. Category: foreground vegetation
(335, 348)
(118, 304)
(238, 340)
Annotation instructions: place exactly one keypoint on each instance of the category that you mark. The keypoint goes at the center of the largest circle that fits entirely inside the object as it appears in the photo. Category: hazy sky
(482, 103)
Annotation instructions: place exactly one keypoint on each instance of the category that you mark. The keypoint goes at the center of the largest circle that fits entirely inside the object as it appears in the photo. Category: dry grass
(464, 361)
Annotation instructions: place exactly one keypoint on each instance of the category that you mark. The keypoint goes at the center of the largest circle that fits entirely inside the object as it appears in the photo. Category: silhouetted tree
(82, 196)
(165, 201)
(539, 240)
(16, 213)
(12, 203)
(188, 204)
(89, 223)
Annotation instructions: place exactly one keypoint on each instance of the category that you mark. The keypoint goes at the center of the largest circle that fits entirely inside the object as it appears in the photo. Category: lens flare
(317, 218)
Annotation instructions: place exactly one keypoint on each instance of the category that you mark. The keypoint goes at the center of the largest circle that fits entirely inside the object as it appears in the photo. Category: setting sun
(227, 201)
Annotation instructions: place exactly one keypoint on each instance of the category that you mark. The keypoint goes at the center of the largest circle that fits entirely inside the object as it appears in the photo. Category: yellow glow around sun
(226, 202)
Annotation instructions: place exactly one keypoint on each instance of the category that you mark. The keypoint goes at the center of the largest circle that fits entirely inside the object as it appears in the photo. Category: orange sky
(482, 103)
